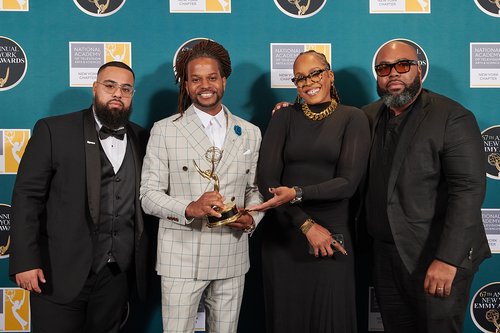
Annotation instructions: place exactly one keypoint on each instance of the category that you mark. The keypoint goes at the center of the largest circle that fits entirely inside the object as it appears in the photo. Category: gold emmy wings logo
(118, 52)
(14, 143)
(16, 310)
(3, 80)
(4, 248)
(492, 316)
(14, 5)
(300, 8)
(99, 8)
(490, 7)
(13, 63)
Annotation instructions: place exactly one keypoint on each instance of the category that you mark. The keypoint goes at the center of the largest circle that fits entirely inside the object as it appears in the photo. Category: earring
(298, 99)
(334, 93)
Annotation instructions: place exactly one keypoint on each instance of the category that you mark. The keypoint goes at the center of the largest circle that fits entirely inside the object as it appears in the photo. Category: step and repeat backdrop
(50, 52)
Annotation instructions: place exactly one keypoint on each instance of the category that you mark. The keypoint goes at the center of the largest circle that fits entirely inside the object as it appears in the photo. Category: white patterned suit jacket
(187, 248)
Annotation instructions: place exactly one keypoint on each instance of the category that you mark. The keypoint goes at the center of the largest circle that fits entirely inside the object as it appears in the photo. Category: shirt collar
(205, 118)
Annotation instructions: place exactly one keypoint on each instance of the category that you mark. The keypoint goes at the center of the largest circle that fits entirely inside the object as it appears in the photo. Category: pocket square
(247, 152)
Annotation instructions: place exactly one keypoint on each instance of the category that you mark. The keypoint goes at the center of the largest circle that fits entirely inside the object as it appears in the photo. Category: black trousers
(404, 305)
(97, 309)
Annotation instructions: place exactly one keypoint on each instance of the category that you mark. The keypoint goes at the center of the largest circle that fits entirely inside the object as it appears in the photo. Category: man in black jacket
(425, 187)
(77, 226)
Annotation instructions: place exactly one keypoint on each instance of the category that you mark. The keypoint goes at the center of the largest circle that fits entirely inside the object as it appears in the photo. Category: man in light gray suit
(193, 259)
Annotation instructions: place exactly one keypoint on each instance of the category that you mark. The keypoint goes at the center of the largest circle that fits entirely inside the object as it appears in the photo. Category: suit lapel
(232, 142)
(92, 164)
(418, 113)
(191, 128)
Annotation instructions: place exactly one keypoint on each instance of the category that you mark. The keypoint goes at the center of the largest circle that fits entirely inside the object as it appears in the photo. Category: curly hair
(204, 49)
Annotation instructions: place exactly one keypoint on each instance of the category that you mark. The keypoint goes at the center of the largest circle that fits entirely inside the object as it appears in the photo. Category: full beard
(112, 117)
(401, 99)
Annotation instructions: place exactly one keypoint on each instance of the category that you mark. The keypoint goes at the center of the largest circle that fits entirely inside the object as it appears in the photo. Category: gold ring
(334, 242)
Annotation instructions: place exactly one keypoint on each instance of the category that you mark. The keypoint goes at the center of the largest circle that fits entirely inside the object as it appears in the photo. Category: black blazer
(437, 185)
(56, 202)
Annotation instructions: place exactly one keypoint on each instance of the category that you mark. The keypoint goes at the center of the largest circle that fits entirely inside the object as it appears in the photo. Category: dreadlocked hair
(204, 49)
(333, 92)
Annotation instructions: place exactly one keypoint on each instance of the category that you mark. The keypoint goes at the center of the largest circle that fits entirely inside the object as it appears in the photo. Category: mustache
(205, 90)
(394, 80)
(115, 100)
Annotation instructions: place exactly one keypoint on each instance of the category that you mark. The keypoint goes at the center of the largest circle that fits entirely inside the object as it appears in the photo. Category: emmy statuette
(230, 212)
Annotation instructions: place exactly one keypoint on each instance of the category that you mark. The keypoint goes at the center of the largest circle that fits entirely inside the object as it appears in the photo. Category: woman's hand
(321, 241)
(282, 195)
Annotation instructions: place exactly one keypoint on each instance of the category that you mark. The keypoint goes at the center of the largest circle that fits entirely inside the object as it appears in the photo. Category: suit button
(248, 170)
(185, 168)
(118, 197)
(117, 179)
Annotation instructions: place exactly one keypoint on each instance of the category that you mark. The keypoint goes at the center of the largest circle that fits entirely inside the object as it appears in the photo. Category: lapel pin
(237, 130)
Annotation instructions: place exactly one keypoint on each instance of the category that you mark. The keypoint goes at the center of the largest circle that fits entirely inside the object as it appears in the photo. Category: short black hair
(118, 64)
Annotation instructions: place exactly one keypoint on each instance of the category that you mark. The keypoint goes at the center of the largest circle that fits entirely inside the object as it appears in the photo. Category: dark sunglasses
(402, 66)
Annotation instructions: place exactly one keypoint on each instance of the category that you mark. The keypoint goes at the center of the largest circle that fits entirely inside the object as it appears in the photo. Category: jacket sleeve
(252, 194)
(28, 201)
(463, 168)
(155, 180)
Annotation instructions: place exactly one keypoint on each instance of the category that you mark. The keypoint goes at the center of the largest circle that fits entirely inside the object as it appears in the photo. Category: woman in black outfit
(312, 158)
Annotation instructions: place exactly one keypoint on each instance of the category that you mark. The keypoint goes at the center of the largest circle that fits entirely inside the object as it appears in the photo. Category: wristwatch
(298, 195)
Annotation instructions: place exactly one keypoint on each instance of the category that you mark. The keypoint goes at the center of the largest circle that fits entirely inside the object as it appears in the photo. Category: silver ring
(439, 288)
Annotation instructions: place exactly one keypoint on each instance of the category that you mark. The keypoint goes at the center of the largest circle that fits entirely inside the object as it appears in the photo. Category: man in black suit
(425, 187)
(77, 226)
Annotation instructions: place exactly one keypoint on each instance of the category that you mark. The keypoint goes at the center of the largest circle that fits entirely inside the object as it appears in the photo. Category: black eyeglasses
(111, 86)
(401, 66)
(314, 76)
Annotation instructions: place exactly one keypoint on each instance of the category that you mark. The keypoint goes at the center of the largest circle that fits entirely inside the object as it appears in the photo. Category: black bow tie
(105, 132)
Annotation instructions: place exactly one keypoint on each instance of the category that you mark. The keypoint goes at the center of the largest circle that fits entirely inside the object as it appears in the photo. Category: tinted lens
(402, 66)
(383, 69)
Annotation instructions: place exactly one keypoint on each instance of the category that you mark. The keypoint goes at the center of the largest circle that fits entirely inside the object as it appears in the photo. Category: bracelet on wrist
(306, 226)
(250, 229)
